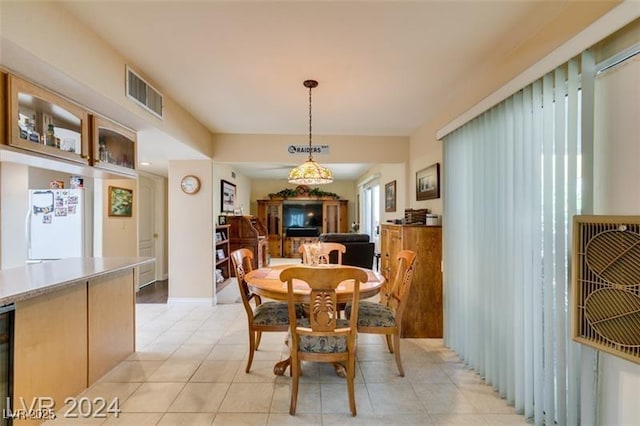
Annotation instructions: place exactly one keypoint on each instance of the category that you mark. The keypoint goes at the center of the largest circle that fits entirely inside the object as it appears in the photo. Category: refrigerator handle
(27, 228)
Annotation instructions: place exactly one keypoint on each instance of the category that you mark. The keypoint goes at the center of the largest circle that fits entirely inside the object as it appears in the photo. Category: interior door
(146, 230)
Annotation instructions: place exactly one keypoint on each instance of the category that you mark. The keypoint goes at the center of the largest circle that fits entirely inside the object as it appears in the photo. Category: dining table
(266, 283)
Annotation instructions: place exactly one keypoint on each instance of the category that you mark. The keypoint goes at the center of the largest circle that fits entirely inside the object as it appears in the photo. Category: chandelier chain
(310, 172)
(310, 157)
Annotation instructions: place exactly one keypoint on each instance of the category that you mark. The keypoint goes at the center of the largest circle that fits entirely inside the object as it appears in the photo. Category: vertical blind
(511, 187)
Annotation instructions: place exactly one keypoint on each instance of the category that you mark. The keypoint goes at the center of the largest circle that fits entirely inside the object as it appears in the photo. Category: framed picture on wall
(428, 183)
(228, 196)
(120, 201)
(390, 197)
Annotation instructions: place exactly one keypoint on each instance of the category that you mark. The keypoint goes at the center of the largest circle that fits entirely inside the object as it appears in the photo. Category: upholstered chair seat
(274, 313)
(373, 315)
(322, 344)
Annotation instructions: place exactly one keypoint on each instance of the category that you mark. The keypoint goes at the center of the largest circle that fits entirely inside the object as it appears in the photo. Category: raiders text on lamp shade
(310, 172)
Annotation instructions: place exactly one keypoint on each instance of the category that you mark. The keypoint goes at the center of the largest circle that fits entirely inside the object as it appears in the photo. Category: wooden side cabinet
(423, 314)
(113, 146)
(41, 121)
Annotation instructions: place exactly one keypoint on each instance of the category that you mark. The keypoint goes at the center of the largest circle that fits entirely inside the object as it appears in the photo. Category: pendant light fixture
(310, 172)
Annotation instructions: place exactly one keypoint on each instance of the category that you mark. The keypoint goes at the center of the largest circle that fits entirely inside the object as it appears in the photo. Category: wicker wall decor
(605, 297)
(416, 215)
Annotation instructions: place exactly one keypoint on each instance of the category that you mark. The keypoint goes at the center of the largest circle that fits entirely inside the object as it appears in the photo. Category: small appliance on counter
(432, 220)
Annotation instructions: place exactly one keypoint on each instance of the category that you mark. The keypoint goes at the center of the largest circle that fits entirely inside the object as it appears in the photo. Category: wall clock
(190, 184)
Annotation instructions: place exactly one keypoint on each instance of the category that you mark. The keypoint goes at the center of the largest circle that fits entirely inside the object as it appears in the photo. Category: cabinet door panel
(272, 217)
(44, 122)
(114, 146)
(331, 215)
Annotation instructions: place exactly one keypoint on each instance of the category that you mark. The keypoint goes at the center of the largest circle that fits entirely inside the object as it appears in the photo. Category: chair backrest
(242, 260)
(323, 305)
(399, 293)
(319, 253)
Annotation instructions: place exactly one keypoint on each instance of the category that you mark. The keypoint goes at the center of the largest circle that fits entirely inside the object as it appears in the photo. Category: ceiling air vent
(143, 93)
(605, 297)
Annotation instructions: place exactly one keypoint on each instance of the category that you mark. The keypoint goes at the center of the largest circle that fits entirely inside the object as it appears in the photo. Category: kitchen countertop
(35, 279)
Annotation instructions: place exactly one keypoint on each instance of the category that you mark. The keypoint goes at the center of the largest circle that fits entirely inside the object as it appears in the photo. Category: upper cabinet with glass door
(114, 146)
(44, 122)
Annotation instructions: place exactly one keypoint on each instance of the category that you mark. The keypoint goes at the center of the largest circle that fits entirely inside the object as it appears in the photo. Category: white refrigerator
(55, 224)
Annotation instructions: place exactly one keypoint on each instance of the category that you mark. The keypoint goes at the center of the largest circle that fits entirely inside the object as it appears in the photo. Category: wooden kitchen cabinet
(423, 314)
(44, 122)
(113, 146)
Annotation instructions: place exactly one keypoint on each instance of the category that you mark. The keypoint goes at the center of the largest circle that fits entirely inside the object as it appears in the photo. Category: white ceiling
(384, 68)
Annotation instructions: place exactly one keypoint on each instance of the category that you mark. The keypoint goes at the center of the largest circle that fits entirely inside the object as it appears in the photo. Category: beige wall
(432, 153)
(243, 189)
(60, 61)
(191, 233)
(385, 173)
(342, 149)
(119, 235)
(425, 149)
(14, 198)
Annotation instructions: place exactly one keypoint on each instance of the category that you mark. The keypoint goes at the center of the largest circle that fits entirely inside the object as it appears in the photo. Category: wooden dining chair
(265, 316)
(319, 253)
(322, 336)
(385, 317)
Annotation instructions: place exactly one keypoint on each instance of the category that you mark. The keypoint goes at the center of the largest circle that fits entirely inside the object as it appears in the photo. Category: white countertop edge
(35, 279)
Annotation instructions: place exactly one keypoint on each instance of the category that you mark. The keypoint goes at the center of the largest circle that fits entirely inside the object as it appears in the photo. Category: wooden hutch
(423, 315)
(249, 232)
(270, 212)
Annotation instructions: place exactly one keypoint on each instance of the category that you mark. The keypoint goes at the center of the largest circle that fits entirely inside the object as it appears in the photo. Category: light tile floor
(189, 370)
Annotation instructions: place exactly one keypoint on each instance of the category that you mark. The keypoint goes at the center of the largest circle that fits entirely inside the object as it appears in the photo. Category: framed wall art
(120, 201)
(390, 197)
(228, 196)
(428, 183)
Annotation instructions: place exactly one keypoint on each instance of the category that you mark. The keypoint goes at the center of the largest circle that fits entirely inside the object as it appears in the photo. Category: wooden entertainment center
(271, 213)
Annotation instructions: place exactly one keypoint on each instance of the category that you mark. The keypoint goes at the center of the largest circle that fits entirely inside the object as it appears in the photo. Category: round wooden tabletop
(266, 282)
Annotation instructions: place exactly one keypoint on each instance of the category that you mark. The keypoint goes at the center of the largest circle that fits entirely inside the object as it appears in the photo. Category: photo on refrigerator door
(42, 202)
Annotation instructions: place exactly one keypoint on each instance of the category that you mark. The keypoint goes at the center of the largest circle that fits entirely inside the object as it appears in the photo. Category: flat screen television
(302, 214)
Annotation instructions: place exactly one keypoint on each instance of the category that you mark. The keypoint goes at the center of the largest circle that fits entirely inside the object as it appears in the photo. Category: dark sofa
(360, 250)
